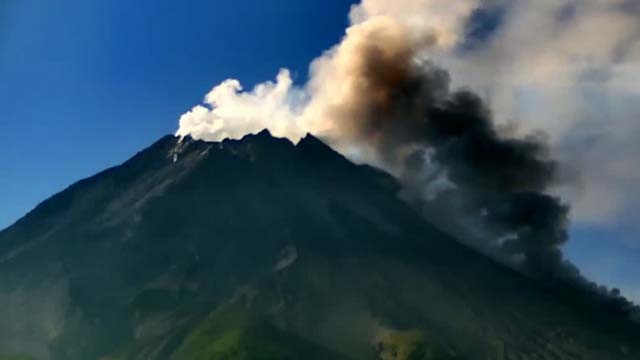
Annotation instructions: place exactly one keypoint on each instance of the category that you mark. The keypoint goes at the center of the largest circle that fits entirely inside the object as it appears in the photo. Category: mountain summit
(261, 249)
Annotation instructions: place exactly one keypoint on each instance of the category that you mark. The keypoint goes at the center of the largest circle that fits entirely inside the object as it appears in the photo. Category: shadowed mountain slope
(262, 249)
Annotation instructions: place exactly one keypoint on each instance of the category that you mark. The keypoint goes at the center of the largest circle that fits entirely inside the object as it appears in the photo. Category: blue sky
(86, 84)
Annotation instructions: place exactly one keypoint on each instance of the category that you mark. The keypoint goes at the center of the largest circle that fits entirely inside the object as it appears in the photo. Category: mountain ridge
(148, 248)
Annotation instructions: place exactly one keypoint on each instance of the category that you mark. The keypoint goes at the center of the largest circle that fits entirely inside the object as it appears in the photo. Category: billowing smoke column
(377, 97)
(401, 114)
(380, 97)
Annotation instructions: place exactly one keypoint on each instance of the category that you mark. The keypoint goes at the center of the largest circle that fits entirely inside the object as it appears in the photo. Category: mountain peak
(317, 150)
(311, 141)
(263, 134)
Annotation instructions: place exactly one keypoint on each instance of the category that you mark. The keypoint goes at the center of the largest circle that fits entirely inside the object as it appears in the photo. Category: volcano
(263, 249)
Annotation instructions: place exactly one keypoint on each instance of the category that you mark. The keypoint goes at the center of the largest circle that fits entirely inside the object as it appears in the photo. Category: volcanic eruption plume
(381, 97)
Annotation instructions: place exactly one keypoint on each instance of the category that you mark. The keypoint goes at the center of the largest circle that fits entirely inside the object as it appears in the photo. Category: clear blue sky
(84, 84)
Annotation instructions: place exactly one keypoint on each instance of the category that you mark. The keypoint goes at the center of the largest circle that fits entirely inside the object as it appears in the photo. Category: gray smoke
(406, 117)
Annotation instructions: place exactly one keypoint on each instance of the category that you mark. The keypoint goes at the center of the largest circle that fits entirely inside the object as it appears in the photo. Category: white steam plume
(232, 113)
(406, 29)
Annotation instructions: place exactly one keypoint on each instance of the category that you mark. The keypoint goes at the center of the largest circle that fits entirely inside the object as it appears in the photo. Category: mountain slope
(233, 333)
(128, 264)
